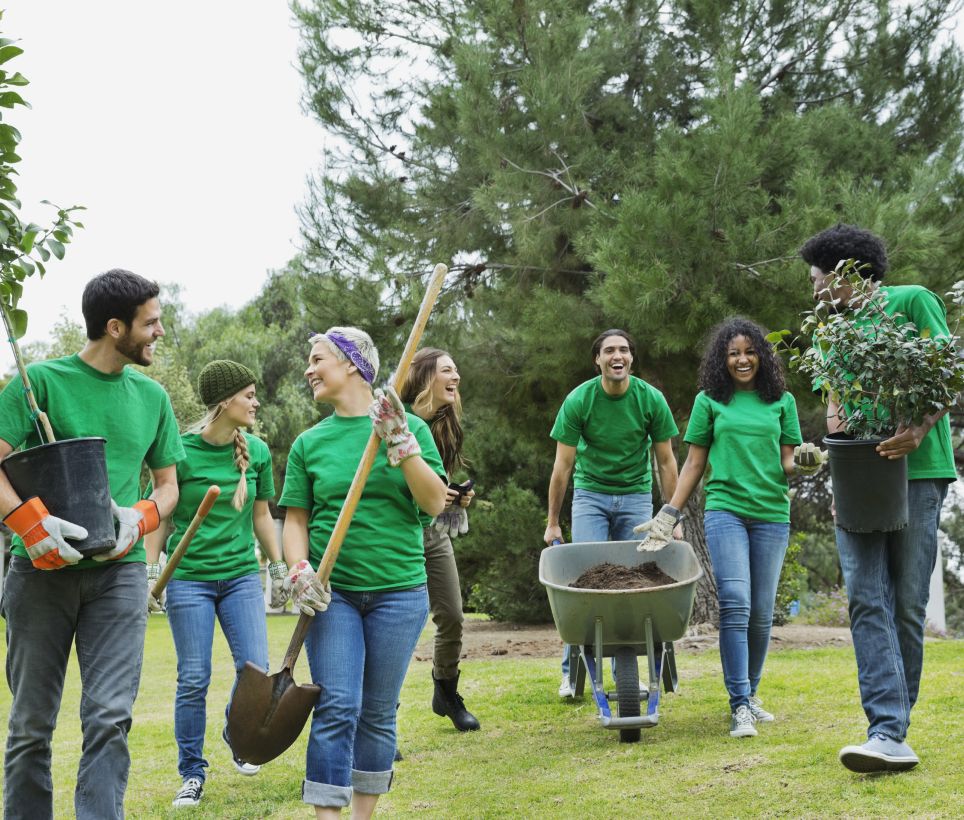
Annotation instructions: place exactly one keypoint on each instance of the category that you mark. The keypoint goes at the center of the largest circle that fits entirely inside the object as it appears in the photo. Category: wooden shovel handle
(365, 465)
(205, 507)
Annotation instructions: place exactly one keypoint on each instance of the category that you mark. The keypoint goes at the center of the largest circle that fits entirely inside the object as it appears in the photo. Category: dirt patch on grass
(485, 640)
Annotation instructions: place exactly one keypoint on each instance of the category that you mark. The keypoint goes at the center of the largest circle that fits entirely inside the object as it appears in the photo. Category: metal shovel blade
(268, 713)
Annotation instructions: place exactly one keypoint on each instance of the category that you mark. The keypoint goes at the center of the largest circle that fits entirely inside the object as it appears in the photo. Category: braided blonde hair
(242, 458)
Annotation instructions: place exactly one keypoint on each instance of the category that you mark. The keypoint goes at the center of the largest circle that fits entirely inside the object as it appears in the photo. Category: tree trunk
(706, 608)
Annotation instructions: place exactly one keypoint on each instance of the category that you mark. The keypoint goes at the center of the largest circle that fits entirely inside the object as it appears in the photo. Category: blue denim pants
(192, 606)
(603, 517)
(103, 611)
(747, 557)
(887, 575)
(359, 651)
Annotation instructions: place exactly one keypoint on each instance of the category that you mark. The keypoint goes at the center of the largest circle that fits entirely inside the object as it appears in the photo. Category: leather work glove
(453, 521)
(388, 418)
(660, 529)
(808, 458)
(154, 604)
(277, 572)
(133, 523)
(43, 534)
(307, 592)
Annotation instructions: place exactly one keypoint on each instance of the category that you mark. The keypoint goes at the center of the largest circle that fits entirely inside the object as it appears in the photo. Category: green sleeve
(15, 423)
(699, 431)
(664, 426)
(265, 478)
(166, 448)
(297, 488)
(929, 314)
(789, 423)
(568, 425)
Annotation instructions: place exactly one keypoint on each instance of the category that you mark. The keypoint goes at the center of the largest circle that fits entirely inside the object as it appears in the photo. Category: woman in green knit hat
(219, 575)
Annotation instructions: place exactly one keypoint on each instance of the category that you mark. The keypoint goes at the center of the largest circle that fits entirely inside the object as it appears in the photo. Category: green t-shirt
(223, 547)
(613, 434)
(744, 436)
(383, 547)
(129, 409)
(924, 308)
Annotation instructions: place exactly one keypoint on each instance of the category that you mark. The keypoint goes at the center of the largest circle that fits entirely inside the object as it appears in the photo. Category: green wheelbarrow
(622, 624)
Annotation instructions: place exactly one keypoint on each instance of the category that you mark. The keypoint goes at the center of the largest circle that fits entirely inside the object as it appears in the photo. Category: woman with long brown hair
(431, 392)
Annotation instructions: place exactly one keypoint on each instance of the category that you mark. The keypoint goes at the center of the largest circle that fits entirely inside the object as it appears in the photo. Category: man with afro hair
(887, 574)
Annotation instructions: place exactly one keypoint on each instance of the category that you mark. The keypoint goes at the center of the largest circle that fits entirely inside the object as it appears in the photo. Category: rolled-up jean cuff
(324, 794)
(371, 782)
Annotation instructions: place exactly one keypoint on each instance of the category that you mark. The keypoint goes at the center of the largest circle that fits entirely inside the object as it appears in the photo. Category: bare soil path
(485, 640)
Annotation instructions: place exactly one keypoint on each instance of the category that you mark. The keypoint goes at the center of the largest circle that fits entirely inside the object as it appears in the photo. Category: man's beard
(134, 352)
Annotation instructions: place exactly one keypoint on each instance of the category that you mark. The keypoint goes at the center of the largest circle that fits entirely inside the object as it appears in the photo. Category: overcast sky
(179, 126)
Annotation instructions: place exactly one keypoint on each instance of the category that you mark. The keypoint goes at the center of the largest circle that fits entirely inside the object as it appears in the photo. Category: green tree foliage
(585, 164)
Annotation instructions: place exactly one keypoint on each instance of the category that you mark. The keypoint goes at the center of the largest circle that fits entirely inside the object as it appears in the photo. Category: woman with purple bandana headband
(371, 615)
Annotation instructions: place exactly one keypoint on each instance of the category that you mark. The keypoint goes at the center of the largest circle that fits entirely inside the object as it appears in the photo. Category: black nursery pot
(869, 491)
(70, 477)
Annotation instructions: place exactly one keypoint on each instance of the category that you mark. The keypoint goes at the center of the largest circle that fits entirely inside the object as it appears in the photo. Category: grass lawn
(537, 756)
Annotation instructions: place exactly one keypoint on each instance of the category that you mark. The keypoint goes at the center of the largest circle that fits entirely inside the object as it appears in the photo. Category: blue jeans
(359, 651)
(747, 557)
(602, 517)
(888, 583)
(103, 611)
(192, 607)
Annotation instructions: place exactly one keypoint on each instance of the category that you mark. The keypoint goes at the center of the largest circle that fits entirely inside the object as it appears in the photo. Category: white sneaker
(244, 768)
(565, 688)
(741, 723)
(760, 715)
(189, 794)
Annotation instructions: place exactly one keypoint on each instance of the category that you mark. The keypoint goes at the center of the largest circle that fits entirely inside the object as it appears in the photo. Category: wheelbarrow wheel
(627, 690)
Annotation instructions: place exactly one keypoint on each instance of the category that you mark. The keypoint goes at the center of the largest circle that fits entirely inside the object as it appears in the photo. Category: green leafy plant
(881, 369)
(25, 247)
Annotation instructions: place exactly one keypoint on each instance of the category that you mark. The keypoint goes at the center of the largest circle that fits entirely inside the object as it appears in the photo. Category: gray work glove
(43, 534)
(277, 573)
(452, 521)
(306, 590)
(153, 604)
(660, 529)
(808, 458)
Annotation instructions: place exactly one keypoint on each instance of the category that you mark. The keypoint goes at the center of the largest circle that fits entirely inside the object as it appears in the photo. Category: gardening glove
(154, 604)
(307, 592)
(391, 426)
(43, 534)
(660, 529)
(453, 521)
(277, 572)
(808, 458)
(133, 523)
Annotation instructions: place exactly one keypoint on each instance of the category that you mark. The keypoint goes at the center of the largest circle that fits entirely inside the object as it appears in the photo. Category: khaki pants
(445, 600)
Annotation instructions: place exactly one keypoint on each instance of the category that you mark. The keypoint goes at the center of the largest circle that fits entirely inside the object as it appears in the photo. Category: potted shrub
(70, 476)
(883, 374)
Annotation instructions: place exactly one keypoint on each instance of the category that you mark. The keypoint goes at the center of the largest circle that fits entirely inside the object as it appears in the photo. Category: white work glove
(278, 572)
(307, 592)
(153, 604)
(453, 521)
(808, 458)
(388, 419)
(660, 529)
(43, 534)
(133, 523)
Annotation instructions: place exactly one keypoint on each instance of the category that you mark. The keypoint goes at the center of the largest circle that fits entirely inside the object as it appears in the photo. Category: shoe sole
(186, 805)
(863, 762)
(743, 733)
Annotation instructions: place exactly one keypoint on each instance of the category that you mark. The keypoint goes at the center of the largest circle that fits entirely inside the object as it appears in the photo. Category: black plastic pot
(70, 477)
(869, 491)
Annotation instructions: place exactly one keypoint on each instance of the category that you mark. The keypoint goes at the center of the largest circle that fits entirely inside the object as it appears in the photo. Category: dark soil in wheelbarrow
(617, 576)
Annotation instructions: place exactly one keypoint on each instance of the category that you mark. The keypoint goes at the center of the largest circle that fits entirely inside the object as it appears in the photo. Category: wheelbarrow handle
(205, 507)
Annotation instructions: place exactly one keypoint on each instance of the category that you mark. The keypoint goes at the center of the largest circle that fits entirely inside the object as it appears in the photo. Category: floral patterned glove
(388, 419)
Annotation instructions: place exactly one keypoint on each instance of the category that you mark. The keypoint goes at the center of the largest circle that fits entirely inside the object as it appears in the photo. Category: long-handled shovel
(268, 712)
(203, 509)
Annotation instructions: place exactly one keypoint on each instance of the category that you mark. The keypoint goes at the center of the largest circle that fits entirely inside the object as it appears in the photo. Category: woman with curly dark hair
(744, 425)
